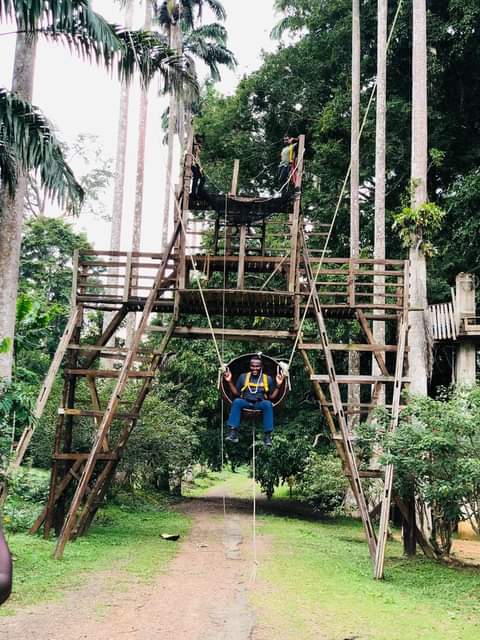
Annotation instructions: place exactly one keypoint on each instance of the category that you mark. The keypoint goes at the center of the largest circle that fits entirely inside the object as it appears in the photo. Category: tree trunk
(140, 179)
(380, 166)
(419, 350)
(354, 356)
(120, 161)
(176, 45)
(12, 209)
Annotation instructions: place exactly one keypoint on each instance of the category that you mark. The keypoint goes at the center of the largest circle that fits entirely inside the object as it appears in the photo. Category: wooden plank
(357, 379)
(232, 334)
(315, 346)
(371, 340)
(89, 413)
(241, 258)
(84, 456)
(108, 373)
(294, 271)
(388, 483)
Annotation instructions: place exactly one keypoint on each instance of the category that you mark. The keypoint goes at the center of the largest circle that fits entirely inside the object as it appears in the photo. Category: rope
(340, 198)
(254, 507)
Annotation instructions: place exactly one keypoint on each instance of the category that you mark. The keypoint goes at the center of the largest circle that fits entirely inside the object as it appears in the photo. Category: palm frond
(289, 23)
(213, 31)
(212, 54)
(28, 139)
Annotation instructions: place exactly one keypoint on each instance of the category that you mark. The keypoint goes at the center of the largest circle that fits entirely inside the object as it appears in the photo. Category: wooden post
(233, 192)
(295, 227)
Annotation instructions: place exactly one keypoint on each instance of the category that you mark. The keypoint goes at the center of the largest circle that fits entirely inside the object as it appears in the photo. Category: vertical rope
(254, 510)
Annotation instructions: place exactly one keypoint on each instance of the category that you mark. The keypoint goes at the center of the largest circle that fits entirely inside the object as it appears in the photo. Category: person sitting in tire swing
(253, 390)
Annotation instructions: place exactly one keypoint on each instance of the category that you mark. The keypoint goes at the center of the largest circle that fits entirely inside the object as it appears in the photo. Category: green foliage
(416, 226)
(323, 483)
(276, 464)
(436, 454)
(165, 441)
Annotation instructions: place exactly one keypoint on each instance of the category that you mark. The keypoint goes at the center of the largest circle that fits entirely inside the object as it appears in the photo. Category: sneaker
(233, 436)
(267, 439)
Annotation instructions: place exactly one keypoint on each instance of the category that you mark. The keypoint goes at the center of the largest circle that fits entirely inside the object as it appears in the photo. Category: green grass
(316, 582)
(123, 538)
(236, 484)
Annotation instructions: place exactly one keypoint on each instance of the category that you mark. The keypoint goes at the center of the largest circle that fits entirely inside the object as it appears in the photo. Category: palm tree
(418, 285)
(354, 356)
(380, 166)
(83, 30)
(207, 43)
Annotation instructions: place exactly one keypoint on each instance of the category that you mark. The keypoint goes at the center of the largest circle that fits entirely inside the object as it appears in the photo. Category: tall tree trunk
(419, 349)
(380, 165)
(120, 162)
(177, 45)
(12, 209)
(354, 356)
(140, 179)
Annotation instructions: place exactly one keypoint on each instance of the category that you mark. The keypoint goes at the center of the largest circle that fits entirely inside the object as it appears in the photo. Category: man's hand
(279, 378)
(227, 375)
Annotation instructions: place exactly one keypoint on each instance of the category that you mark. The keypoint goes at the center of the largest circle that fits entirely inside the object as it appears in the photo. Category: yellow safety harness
(263, 384)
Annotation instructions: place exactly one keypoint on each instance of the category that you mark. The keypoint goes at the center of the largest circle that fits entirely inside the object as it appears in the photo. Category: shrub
(323, 483)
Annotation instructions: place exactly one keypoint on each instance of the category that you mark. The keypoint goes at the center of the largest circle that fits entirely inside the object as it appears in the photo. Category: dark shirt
(249, 394)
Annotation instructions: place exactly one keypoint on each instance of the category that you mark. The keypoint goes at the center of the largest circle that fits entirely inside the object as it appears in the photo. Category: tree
(380, 168)
(208, 43)
(419, 347)
(88, 33)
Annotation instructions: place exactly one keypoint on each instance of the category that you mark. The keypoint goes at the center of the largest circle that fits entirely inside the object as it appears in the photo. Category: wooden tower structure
(229, 256)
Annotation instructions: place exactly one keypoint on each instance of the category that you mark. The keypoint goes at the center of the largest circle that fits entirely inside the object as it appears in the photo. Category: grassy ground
(236, 484)
(314, 582)
(127, 538)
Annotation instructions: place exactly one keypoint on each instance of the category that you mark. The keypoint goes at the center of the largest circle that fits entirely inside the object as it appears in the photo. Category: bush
(436, 454)
(323, 483)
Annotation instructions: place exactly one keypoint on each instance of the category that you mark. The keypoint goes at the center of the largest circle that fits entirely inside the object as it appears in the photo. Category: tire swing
(241, 364)
(5, 569)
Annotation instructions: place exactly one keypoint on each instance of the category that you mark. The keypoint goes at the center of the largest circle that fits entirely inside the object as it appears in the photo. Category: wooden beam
(231, 334)
(358, 379)
(294, 271)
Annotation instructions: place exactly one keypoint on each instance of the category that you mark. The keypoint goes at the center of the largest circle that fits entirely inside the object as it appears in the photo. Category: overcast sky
(80, 98)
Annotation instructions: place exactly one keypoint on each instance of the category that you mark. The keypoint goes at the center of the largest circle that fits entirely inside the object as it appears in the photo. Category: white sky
(80, 98)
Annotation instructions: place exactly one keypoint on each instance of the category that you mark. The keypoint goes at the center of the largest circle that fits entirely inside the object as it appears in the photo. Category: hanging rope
(340, 198)
(254, 506)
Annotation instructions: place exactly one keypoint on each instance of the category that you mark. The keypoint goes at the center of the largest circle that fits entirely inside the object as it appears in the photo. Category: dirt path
(203, 596)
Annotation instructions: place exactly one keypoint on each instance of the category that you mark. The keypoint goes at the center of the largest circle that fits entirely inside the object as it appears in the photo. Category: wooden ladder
(86, 498)
(341, 434)
(349, 455)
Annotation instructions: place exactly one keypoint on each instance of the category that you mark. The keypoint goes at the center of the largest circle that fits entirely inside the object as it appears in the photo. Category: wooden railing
(116, 276)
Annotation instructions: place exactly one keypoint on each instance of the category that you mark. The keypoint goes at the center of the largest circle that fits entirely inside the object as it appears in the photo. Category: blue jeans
(265, 406)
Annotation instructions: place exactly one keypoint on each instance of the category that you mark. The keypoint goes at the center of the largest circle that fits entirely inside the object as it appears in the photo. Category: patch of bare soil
(204, 595)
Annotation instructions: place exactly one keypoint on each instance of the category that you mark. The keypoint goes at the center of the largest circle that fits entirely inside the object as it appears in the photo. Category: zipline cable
(340, 198)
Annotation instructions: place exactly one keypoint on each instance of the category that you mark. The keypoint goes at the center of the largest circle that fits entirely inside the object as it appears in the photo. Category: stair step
(84, 456)
(108, 373)
(93, 414)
